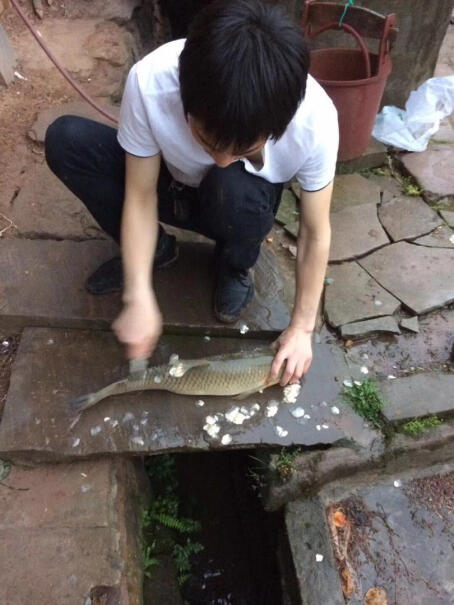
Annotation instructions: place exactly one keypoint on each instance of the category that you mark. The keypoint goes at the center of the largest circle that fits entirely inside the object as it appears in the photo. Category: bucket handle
(354, 33)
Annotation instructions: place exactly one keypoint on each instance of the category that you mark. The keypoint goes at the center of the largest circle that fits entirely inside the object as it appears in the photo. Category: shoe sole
(230, 319)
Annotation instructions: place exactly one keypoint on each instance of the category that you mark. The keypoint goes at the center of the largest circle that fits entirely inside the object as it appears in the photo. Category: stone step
(70, 531)
(42, 284)
(54, 366)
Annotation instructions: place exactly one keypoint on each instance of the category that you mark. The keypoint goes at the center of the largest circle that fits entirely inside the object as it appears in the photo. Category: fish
(237, 374)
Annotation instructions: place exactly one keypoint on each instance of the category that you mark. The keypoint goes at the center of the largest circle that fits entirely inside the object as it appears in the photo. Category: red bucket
(354, 79)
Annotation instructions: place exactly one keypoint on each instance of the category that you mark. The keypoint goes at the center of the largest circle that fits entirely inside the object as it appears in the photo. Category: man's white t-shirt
(152, 121)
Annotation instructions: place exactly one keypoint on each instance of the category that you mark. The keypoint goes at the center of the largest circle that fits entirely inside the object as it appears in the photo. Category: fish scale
(227, 375)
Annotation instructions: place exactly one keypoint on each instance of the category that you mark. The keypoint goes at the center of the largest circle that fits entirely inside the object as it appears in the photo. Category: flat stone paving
(408, 217)
(42, 283)
(433, 170)
(354, 295)
(63, 533)
(370, 326)
(442, 237)
(353, 190)
(401, 532)
(418, 395)
(54, 366)
(355, 231)
(419, 276)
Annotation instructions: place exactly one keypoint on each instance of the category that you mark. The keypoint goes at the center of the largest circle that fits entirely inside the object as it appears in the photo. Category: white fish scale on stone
(222, 375)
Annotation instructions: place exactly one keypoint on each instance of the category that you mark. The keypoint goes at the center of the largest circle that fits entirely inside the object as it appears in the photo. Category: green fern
(184, 526)
(182, 554)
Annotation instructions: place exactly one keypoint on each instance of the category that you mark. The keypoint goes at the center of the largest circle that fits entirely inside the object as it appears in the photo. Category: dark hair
(243, 71)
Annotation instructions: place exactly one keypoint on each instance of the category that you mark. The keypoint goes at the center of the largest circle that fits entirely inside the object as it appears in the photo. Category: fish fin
(245, 394)
(82, 403)
(189, 365)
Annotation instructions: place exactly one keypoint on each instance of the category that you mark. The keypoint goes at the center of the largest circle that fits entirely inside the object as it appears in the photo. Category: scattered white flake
(138, 440)
(391, 377)
(366, 425)
(364, 370)
(244, 410)
(357, 382)
(210, 420)
(307, 416)
(173, 358)
(85, 488)
(397, 483)
(212, 430)
(84, 475)
(348, 383)
(113, 423)
(271, 408)
(244, 328)
(135, 427)
(255, 407)
(128, 417)
(76, 442)
(19, 76)
(144, 421)
(157, 379)
(177, 370)
(297, 412)
(318, 427)
(329, 281)
(106, 419)
(37, 420)
(291, 392)
(236, 416)
(451, 238)
(280, 432)
(335, 410)
(325, 426)
(226, 439)
(199, 403)
(207, 338)
(95, 430)
(5, 344)
(319, 558)
(324, 404)
(365, 356)
(378, 303)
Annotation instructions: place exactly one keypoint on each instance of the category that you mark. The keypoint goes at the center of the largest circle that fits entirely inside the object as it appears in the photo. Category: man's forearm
(139, 234)
(311, 262)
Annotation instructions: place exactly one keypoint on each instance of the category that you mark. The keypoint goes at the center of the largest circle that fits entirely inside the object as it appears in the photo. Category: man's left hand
(294, 347)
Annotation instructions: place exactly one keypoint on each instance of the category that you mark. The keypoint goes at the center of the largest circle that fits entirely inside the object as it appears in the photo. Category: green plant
(409, 186)
(365, 399)
(285, 463)
(148, 560)
(182, 554)
(415, 427)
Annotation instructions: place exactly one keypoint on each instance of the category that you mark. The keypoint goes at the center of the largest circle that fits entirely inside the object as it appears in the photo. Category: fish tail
(82, 403)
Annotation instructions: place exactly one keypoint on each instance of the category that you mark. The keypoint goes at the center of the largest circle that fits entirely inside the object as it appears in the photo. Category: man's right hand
(139, 326)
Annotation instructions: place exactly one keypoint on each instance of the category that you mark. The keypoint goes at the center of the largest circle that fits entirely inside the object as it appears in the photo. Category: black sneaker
(234, 291)
(109, 276)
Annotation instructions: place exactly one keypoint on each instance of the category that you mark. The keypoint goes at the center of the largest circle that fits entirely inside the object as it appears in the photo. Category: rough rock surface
(407, 217)
(403, 268)
(355, 232)
(371, 326)
(53, 367)
(354, 295)
(117, 10)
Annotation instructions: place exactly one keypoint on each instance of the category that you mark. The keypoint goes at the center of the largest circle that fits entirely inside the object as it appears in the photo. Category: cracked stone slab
(396, 521)
(418, 395)
(353, 190)
(45, 118)
(54, 366)
(354, 295)
(441, 237)
(371, 326)
(389, 186)
(410, 323)
(448, 216)
(373, 157)
(45, 208)
(408, 217)
(355, 232)
(56, 295)
(433, 170)
(403, 269)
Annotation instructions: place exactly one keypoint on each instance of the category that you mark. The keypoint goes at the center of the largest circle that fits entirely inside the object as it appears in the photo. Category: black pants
(231, 206)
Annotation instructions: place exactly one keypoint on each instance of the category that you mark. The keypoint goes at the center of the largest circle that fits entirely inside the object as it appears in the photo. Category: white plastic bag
(412, 128)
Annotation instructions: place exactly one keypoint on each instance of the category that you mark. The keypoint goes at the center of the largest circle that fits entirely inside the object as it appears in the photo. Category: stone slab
(433, 170)
(353, 190)
(418, 395)
(389, 186)
(308, 536)
(403, 268)
(410, 323)
(67, 529)
(355, 232)
(371, 326)
(56, 295)
(54, 366)
(117, 10)
(401, 537)
(373, 157)
(45, 208)
(288, 209)
(45, 118)
(441, 237)
(292, 228)
(355, 295)
(407, 217)
(7, 59)
(448, 216)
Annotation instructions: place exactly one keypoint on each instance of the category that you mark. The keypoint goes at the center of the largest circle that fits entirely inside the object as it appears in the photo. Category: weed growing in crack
(416, 427)
(365, 399)
(285, 464)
